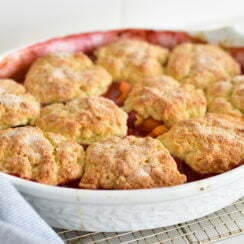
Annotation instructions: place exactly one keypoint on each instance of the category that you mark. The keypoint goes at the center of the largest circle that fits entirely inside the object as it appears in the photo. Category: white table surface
(24, 22)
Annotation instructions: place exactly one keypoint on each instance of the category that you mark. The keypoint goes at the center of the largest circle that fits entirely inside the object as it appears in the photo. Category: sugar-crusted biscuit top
(164, 99)
(227, 97)
(132, 60)
(209, 145)
(201, 64)
(46, 158)
(129, 163)
(85, 120)
(62, 77)
(10, 86)
(17, 107)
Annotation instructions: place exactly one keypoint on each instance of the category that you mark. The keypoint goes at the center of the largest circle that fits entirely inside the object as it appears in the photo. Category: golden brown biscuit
(51, 159)
(209, 145)
(227, 97)
(85, 120)
(132, 60)
(164, 99)
(17, 107)
(63, 77)
(201, 64)
(129, 163)
(10, 86)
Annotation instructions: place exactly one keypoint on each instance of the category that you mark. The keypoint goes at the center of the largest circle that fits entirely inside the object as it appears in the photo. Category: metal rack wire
(217, 226)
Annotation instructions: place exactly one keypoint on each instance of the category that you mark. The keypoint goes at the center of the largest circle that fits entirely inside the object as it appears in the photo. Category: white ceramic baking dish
(125, 210)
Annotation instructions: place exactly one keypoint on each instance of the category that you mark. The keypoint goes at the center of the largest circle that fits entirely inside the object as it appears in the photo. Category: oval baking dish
(124, 210)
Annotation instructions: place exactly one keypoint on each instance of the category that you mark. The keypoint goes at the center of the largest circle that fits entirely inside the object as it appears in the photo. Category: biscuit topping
(132, 60)
(63, 77)
(227, 97)
(209, 145)
(129, 163)
(201, 64)
(85, 120)
(17, 107)
(29, 153)
(164, 99)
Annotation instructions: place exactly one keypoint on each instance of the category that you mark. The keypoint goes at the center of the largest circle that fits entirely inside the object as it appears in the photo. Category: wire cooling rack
(217, 226)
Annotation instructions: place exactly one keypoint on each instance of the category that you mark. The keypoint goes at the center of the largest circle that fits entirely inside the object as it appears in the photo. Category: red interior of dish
(16, 65)
(238, 54)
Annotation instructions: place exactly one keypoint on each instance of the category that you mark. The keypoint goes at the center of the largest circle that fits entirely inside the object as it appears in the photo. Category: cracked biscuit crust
(85, 120)
(30, 154)
(209, 145)
(64, 76)
(129, 163)
(164, 99)
(132, 60)
(201, 64)
(17, 107)
(227, 97)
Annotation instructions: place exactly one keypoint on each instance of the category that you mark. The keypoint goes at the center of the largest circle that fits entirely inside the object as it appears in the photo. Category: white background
(23, 22)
